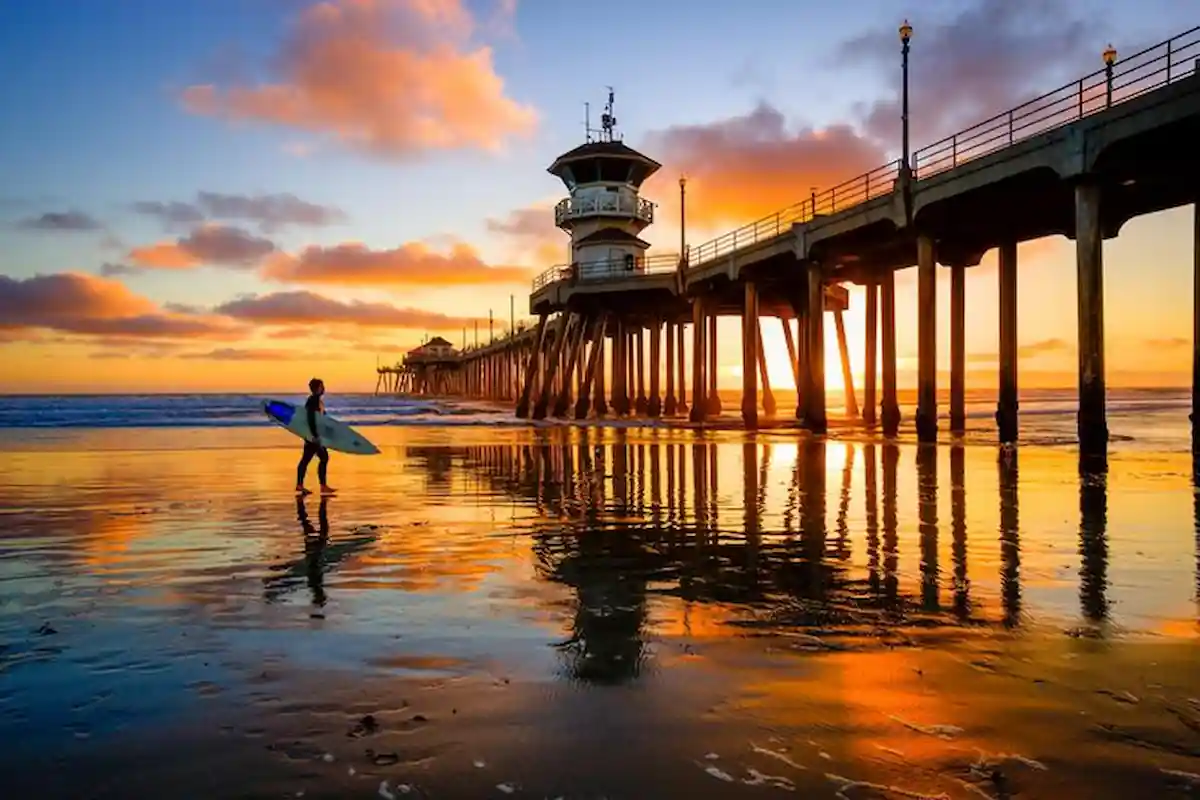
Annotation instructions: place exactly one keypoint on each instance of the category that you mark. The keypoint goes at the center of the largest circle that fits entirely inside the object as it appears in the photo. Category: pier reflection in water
(807, 536)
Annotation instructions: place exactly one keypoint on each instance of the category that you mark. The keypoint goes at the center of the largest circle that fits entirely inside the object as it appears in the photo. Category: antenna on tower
(587, 122)
(608, 122)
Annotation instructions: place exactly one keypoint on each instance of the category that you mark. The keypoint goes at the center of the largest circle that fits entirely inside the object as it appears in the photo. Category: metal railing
(1149, 69)
(879, 181)
(606, 203)
(598, 271)
(1133, 76)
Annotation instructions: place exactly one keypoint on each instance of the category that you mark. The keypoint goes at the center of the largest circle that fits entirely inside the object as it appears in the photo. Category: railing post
(833, 200)
(954, 150)
(1010, 127)
(1169, 60)
(867, 185)
(1081, 98)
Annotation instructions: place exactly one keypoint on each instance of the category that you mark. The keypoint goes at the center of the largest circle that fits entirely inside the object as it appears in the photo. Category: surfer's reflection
(315, 541)
(319, 555)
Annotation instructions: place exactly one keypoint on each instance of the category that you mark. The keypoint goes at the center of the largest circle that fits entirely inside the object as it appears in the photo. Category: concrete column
(926, 340)
(699, 362)
(654, 406)
(681, 407)
(1089, 259)
(713, 397)
(749, 356)
(620, 372)
(790, 341)
(958, 349)
(847, 375)
(1007, 405)
(574, 348)
(669, 407)
(600, 400)
(768, 397)
(640, 368)
(530, 374)
(815, 419)
(593, 371)
(800, 306)
(1195, 415)
(565, 326)
(871, 365)
(889, 411)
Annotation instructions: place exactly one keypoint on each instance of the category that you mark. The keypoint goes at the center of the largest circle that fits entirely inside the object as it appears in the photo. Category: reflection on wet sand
(749, 550)
(715, 615)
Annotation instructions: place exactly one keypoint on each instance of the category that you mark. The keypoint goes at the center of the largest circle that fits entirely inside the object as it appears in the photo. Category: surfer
(313, 447)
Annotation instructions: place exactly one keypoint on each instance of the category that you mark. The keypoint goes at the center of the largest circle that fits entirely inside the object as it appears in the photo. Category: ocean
(1155, 418)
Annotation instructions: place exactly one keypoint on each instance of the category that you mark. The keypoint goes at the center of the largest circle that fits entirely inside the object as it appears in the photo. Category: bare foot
(328, 490)
(302, 490)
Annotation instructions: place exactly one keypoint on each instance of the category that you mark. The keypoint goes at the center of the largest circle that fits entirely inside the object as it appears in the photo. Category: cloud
(992, 56)
(271, 212)
(392, 78)
(532, 232)
(1024, 352)
(111, 269)
(77, 303)
(1170, 343)
(1035, 349)
(221, 245)
(308, 308)
(412, 264)
(745, 167)
(60, 221)
(236, 354)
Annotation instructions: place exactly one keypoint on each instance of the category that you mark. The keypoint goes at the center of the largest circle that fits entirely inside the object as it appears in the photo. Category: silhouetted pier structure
(492, 371)
(1079, 161)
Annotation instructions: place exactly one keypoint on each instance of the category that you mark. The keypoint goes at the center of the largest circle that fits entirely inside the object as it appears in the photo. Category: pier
(1079, 161)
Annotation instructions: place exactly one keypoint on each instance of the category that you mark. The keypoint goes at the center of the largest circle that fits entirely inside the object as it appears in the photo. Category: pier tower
(603, 212)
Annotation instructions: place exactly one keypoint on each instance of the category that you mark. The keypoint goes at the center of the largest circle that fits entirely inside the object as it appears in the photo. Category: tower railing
(601, 270)
(1132, 76)
(607, 203)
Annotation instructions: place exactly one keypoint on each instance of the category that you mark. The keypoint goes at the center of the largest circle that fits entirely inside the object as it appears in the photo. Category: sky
(236, 195)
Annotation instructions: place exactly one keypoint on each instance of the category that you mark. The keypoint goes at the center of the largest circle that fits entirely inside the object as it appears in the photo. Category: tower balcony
(606, 205)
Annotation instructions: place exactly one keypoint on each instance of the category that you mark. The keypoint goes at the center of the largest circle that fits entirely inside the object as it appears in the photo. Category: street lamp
(1110, 57)
(682, 217)
(905, 35)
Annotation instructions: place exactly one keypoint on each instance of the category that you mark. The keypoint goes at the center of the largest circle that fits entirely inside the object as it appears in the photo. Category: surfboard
(335, 434)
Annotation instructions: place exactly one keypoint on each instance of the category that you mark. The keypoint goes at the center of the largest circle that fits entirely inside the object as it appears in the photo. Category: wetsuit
(311, 407)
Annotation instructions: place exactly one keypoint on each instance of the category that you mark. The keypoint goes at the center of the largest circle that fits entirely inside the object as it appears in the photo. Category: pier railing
(599, 271)
(878, 181)
(1135, 75)
(1132, 76)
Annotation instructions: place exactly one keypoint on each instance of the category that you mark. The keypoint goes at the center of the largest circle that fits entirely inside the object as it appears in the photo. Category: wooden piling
(750, 356)
(926, 339)
(1089, 259)
(889, 412)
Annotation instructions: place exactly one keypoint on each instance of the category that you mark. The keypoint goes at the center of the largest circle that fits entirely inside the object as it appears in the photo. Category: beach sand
(594, 613)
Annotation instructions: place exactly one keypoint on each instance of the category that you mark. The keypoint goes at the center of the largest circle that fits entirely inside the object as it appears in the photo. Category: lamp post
(905, 35)
(1110, 57)
(682, 217)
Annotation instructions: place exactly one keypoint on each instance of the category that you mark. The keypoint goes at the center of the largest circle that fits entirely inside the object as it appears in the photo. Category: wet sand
(594, 613)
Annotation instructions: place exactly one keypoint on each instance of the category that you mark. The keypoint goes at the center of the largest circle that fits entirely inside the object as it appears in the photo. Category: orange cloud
(236, 354)
(209, 244)
(77, 303)
(412, 264)
(308, 308)
(746, 167)
(392, 78)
